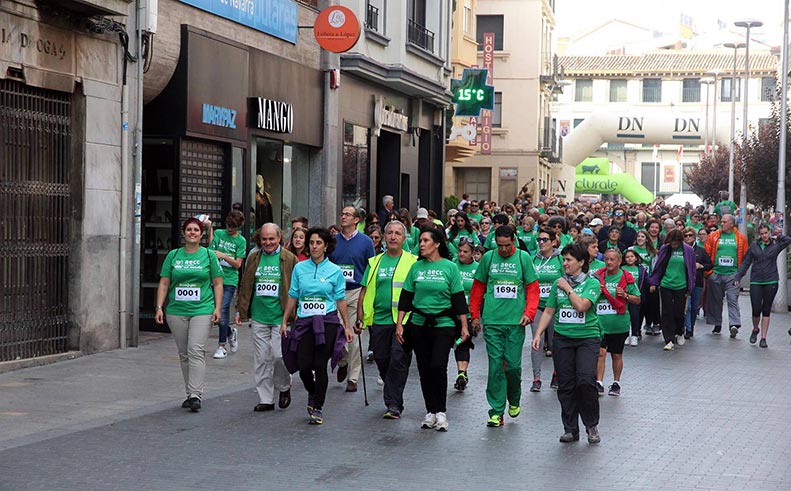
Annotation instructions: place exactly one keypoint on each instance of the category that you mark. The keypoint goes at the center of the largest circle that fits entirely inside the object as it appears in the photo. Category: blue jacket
(662, 258)
(355, 253)
(317, 280)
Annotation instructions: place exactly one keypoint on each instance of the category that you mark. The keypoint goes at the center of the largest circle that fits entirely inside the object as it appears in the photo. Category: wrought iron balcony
(420, 36)
(372, 18)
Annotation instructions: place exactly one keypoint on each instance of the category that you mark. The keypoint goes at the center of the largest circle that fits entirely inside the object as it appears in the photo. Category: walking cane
(362, 366)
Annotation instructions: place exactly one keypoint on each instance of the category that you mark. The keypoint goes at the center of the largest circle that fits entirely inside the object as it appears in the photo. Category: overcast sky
(577, 16)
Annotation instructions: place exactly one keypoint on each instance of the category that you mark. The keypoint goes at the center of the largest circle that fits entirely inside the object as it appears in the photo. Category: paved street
(711, 415)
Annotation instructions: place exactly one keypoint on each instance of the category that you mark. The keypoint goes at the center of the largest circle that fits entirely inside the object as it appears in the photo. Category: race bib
(543, 290)
(267, 289)
(604, 308)
(571, 316)
(187, 294)
(505, 290)
(313, 306)
(726, 261)
(348, 272)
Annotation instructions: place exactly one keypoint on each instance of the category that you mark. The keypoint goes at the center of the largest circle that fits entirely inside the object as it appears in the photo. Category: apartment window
(583, 90)
(652, 90)
(618, 90)
(417, 34)
(684, 184)
(490, 23)
(373, 16)
(649, 175)
(725, 89)
(467, 18)
(768, 89)
(497, 114)
(691, 90)
(578, 121)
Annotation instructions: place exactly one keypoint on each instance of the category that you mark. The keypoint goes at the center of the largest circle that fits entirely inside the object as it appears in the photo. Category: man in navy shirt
(351, 254)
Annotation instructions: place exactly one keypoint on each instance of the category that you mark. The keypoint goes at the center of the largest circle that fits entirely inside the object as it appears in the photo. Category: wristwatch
(158, 307)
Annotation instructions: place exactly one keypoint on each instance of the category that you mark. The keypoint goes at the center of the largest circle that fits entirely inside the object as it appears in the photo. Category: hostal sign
(269, 115)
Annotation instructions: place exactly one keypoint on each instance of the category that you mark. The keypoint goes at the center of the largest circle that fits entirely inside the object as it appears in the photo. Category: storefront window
(296, 183)
(355, 166)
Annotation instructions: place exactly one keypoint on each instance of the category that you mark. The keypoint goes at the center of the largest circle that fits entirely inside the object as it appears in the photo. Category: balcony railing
(372, 18)
(420, 36)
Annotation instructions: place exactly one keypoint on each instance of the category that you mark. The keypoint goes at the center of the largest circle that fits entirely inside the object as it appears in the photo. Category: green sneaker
(495, 421)
(514, 411)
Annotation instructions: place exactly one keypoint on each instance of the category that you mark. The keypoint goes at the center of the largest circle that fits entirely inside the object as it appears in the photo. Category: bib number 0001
(187, 294)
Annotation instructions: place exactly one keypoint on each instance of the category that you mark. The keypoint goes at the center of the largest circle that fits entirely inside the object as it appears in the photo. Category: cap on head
(595, 222)
(421, 213)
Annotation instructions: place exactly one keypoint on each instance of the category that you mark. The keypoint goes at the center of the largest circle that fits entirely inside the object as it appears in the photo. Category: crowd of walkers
(586, 279)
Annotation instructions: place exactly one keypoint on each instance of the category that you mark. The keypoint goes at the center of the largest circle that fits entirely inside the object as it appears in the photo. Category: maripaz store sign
(275, 17)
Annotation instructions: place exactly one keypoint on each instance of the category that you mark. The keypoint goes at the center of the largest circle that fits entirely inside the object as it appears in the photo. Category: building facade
(693, 85)
(65, 155)
(522, 140)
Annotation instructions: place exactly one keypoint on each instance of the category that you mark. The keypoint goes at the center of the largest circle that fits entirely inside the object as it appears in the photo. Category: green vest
(405, 263)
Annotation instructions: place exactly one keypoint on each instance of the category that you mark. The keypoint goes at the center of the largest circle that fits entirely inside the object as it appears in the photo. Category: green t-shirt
(383, 299)
(596, 265)
(464, 233)
(475, 216)
(265, 307)
(547, 270)
(696, 226)
(609, 320)
(726, 206)
(633, 270)
(433, 284)
(675, 277)
(505, 279)
(190, 292)
(725, 263)
(565, 239)
(528, 238)
(236, 247)
(645, 256)
(569, 322)
(467, 272)
(490, 243)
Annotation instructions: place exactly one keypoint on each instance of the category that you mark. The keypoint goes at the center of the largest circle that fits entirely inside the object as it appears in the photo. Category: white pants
(351, 353)
(191, 334)
(270, 372)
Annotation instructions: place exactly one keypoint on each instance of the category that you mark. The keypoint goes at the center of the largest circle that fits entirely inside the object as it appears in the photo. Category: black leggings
(761, 298)
(674, 306)
(312, 359)
(432, 347)
(649, 306)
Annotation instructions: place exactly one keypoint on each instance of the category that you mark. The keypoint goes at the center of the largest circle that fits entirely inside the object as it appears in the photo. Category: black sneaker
(553, 384)
(195, 404)
(536, 387)
(734, 331)
(392, 413)
(186, 403)
(615, 389)
(315, 417)
(461, 381)
(763, 344)
(600, 388)
(343, 371)
(593, 435)
(717, 329)
(754, 335)
(687, 334)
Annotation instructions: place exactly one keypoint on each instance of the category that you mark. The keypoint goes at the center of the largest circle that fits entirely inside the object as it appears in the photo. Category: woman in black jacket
(702, 263)
(762, 255)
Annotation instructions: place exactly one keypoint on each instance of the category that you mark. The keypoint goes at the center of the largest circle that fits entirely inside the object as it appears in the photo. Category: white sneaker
(680, 340)
(669, 346)
(633, 341)
(220, 353)
(442, 422)
(379, 381)
(430, 421)
(233, 340)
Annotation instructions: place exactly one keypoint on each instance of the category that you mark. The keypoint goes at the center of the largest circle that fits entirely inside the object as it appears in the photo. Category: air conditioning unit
(148, 15)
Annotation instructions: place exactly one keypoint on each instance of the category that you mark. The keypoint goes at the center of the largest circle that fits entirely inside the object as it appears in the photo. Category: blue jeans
(227, 298)
(692, 310)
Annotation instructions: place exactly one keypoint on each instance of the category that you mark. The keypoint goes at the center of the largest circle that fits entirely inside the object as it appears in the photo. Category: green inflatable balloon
(593, 176)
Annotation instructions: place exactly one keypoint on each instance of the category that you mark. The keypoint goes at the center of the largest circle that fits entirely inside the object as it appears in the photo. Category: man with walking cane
(378, 308)
(351, 254)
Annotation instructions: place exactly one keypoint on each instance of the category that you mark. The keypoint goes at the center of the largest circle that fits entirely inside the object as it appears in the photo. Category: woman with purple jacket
(674, 274)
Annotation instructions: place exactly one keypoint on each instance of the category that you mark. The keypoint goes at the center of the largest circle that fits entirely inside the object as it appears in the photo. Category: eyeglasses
(544, 239)
(347, 214)
(557, 225)
(689, 235)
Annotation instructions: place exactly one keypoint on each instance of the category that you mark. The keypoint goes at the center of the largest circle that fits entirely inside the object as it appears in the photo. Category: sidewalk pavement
(711, 415)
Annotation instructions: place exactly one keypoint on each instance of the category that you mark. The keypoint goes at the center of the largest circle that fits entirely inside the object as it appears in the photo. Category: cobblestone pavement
(711, 415)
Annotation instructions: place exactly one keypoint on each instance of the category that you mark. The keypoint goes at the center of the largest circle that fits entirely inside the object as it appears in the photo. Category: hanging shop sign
(270, 115)
(337, 29)
(388, 116)
(486, 114)
(275, 17)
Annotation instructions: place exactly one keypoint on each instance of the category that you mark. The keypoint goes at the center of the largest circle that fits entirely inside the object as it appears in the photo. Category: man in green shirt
(475, 212)
(507, 283)
(377, 306)
(263, 295)
(726, 247)
(725, 206)
(230, 248)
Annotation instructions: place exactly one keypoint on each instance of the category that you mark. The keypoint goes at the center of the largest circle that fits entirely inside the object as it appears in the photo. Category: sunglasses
(618, 214)
(689, 235)
(465, 240)
(544, 239)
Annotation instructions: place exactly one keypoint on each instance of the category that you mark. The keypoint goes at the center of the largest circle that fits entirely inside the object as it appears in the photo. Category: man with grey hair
(726, 248)
(263, 294)
(389, 205)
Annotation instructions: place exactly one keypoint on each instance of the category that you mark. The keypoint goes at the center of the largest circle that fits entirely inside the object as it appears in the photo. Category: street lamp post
(714, 74)
(708, 83)
(748, 24)
(735, 48)
(781, 299)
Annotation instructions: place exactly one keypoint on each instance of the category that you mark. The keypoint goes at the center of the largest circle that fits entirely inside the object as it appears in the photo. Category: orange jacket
(713, 243)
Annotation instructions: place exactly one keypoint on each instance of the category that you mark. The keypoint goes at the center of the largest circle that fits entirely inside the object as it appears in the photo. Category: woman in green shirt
(433, 293)
(619, 290)
(592, 246)
(649, 308)
(191, 279)
(549, 267)
(461, 227)
(576, 346)
(467, 267)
